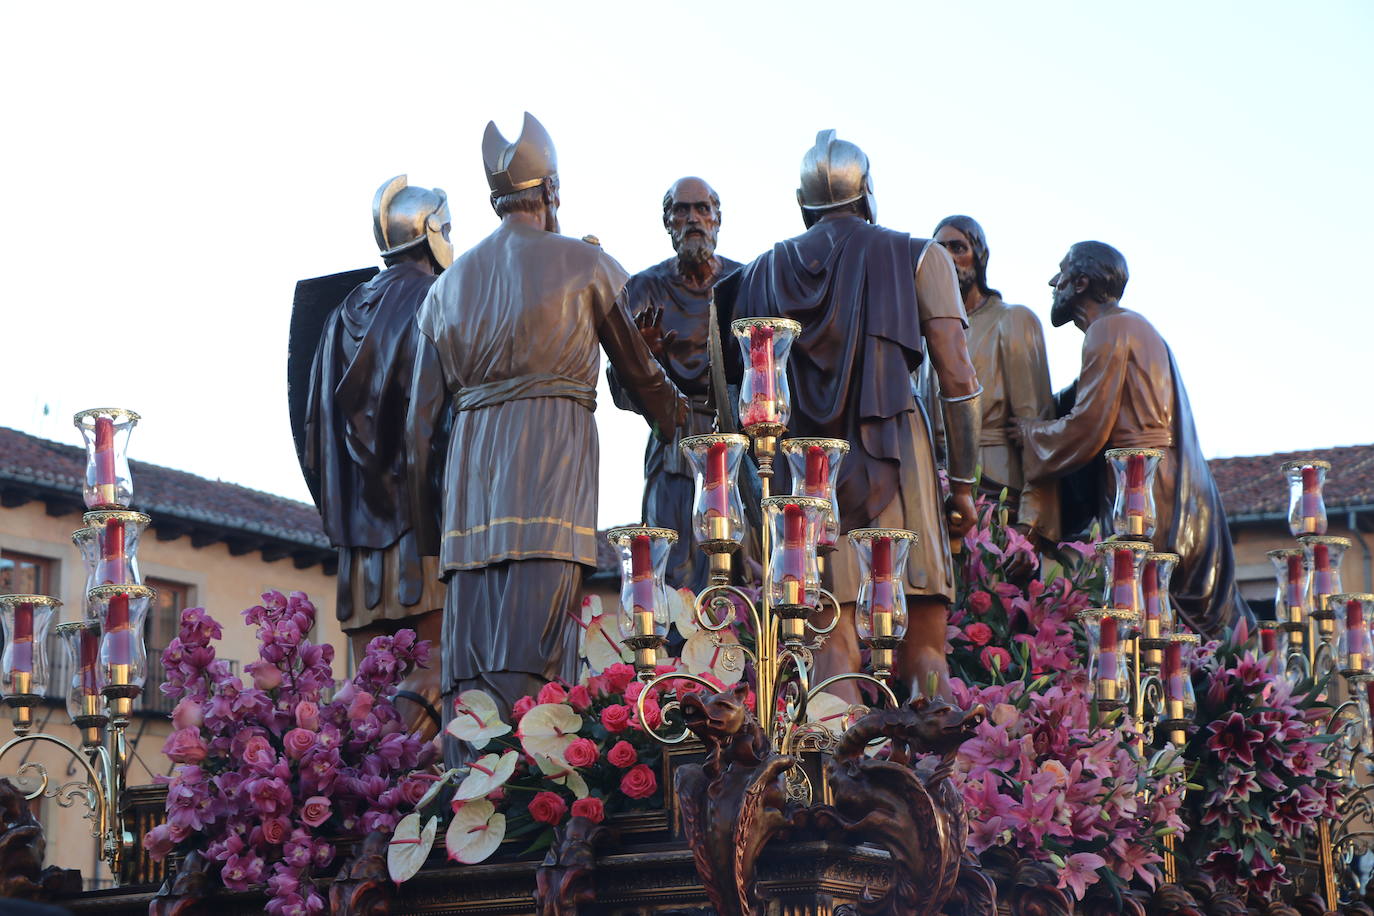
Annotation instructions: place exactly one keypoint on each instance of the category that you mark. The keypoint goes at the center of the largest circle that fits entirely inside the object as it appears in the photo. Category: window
(21, 574)
(164, 617)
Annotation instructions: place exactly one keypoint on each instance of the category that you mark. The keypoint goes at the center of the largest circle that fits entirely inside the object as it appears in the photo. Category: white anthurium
(410, 846)
(563, 774)
(682, 603)
(476, 719)
(702, 655)
(487, 774)
(601, 643)
(475, 832)
(436, 788)
(831, 711)
(591, 608)
(548, 729)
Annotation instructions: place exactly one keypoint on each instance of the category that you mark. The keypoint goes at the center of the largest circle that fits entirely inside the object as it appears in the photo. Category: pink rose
(548, 807)
(615, 718)
(360, 706)
(581, 753)
(316, 810)
(522, 706)
(308, 715)
(618, 677)
(185, 745)
(258, 753)
(414, 788)
(653, 716)
(591, 808)
(639, 782)
(297, 742)
(266, 676)
(187, 714)
(158, 842)
(275, 830)
(552, 693)
(995, 658)
(978, 634)
(579, 698)
(979, 602)
(622, 755)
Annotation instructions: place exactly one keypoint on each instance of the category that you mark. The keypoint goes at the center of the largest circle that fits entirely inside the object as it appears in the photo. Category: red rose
(591, 808)
(622, 755)
(579, 698)
(979, 602)
(552, 693)
(548, 808)
(639, 782)
(653, 716)
(522, 706)
(618, 677)
(616, 718)
(978, 633)
(581, 753)
(995, 659)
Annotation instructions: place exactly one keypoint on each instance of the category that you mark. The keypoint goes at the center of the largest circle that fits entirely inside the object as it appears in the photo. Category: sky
(171, 171)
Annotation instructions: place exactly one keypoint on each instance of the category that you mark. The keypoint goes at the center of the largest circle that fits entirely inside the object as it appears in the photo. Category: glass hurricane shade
(1291, 571)
(1124, 561)
(815, 466)
(1354, 616)
(1324, 555)
(1306, 505)
(121, 610)
(81, 639)
(717, 512)
(794, 524)
(1179, 697)
(643, 553)
(880, 608)
(1157, 605)
(109, 547)
(1108, 631)
(764, 397)
(24, 663)
(1133, 508)
(106, 433)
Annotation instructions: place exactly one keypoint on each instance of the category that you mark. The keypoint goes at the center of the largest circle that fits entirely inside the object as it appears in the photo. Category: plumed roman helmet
(404, 217)
(520, 165)
(834, 172)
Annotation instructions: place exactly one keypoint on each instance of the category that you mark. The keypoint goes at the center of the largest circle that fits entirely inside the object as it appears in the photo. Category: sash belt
(540, 385)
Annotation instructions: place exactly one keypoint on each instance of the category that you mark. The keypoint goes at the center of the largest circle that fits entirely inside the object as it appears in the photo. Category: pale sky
(173, 169)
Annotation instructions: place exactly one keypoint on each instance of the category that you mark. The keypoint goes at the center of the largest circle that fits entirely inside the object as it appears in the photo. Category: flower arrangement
(266, 773)
(1258, 756)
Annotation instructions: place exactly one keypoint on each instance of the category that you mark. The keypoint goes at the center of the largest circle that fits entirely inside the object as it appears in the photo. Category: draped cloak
(355, 435)
(1129, 393)
(852, 286)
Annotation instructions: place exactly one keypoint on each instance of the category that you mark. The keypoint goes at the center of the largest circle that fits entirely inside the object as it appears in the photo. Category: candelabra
(788, 619)
(106, 649)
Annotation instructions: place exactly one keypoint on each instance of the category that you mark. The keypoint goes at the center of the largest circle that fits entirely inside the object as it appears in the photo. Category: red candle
(1108, 646)
(105, 477)
(817, 472)
(717, 480)
(118, 631)
(763, 404)
(794, 548)
(1321, 562)
(1311, 500)
(1356, 636)
(642, 574)
(114, 569)
(1123, 579)
(1135, 494)
(1149, 584)
(88, 652)
(1173, 671)
(1295, 580)
(22, 657)
(1268, 639)
(883, 586)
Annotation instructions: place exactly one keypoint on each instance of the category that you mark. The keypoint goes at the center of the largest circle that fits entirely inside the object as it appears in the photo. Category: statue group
(443, 409)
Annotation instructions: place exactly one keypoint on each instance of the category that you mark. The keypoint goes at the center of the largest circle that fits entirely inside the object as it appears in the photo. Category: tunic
(1129, 395)
(860, 293)
(516, 325)
(669, 486)
(360, 383)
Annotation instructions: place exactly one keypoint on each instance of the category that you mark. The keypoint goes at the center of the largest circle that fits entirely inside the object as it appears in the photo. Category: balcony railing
(151, 702)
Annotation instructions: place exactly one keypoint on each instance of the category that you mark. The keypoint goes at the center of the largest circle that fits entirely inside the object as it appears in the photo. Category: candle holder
(1306, 507)
(123, 660)
(1180, 700)
(1157, 620)
(1324, 554)
(793, 581)
(644, 613)
(717, 513)
(765, 401)
(1133, 509)
(85, 703)
(1290, 596)
(815, 466)
(1107, 629)
(24, 664)
(1354, 613)
(106, 433)
(1124, 561)
(115, 546)
(880, 609)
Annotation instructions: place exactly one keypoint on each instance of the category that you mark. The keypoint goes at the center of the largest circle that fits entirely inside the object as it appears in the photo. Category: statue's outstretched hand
(650, 324)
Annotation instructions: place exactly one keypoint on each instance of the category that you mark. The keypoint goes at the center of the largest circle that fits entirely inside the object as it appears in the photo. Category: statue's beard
(968, 279)
(696, 249)
(1064, 308)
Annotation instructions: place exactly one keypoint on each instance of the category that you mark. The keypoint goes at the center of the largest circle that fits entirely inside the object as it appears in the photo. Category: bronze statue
(352, 430)
(514, 327)
(1129, 395)
(873, 303)
(671, 303)
(1007, 347)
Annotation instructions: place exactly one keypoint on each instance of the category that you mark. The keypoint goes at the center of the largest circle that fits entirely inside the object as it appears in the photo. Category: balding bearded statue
(1007, 347)
(517, 325)
(351, 430)
(671, 304)
(1129, 395)
(873, 304)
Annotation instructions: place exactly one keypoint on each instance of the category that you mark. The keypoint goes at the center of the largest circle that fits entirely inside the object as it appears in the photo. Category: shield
(315, 300)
